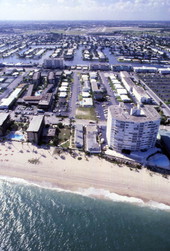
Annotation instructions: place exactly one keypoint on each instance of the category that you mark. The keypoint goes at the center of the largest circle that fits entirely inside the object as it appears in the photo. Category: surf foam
(92, 193)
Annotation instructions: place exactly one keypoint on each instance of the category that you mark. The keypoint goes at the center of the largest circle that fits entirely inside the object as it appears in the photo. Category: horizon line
(85, 20)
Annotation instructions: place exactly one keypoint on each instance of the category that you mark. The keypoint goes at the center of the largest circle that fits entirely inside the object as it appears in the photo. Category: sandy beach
(69, 173)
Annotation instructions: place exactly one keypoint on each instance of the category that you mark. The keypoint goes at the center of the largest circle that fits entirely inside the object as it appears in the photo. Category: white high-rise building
(132, 130)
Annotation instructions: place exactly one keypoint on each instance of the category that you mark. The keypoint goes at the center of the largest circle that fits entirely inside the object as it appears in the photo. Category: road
(74, 97)
(108, 88)
(66, 121)
(165, 107)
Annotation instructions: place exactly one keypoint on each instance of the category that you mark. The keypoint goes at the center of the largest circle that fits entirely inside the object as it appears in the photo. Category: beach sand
(69, 173)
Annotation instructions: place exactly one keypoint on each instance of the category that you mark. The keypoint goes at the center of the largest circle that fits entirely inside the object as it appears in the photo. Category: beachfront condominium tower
(135, 129)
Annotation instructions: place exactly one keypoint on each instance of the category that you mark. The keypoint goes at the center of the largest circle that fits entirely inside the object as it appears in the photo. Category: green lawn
(66, 144)
(64, 134)
(86, 113)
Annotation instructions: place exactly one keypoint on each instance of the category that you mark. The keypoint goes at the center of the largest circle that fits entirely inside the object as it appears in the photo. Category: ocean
(40, 219)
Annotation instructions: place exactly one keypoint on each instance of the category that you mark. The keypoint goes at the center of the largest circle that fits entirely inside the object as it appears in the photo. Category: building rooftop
(3, 117)
(147, 113)
(6, 102)
(36, 75)
(78, 135)
(35, 123)
(30, 90)
(46, 99)
(91, 139)
(32, 98)
(51, 75)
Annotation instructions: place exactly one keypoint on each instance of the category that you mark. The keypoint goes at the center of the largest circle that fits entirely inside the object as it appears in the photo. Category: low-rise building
(139, 93)
(32, 100)
(86, 86)
(7, 103)
(92, 146)
(98, 90)
(164, 70)
(87, 102)
(48, 134)
(100, 67)
(54, 63)
(145, 69)
(78, 136)
(45, 101)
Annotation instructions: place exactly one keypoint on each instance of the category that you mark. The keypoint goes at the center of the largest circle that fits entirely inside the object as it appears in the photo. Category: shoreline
(93, 193)
(69, 174)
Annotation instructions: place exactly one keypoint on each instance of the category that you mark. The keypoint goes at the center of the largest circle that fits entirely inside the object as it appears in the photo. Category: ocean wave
(92, 193)
(121, 198)
(14, 180)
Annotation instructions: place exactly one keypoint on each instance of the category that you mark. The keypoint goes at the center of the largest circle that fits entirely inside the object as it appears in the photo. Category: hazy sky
(84, 9)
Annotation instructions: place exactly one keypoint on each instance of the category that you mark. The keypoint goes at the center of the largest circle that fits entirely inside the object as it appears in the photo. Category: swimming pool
(15, 136)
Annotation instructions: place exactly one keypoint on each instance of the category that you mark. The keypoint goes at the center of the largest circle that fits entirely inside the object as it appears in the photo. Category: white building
(139, 93)
(6, 103)
(145, 69)
(164, 70)
(91, 144)
(132, 130)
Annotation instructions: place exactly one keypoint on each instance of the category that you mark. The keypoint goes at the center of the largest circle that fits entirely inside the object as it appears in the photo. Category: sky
(84, 9)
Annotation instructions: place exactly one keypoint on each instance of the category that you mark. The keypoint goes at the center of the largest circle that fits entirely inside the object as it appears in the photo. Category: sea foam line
(122, 198)
(92, 193)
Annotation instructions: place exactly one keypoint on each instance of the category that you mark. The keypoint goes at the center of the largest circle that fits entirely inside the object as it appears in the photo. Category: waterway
(78, 59)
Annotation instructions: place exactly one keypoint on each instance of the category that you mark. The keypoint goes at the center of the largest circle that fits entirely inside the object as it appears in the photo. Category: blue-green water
(15, 136)
(33, 218)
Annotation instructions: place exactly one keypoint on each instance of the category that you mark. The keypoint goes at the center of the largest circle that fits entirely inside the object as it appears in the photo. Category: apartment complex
(132, 130)
(35, 128)
(139, 93)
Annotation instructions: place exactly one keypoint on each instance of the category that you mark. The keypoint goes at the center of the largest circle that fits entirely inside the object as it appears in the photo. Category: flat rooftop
(35, 123)
(3, 117)
(148, 113)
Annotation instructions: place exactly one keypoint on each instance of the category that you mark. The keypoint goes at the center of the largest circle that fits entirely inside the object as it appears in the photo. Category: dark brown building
(4, 122)
(35, 128)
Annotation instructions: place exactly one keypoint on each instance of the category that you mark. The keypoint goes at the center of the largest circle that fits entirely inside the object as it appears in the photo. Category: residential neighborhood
(51, 81)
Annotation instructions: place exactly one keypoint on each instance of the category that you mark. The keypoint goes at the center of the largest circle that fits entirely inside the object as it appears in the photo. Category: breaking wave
(92, 193)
